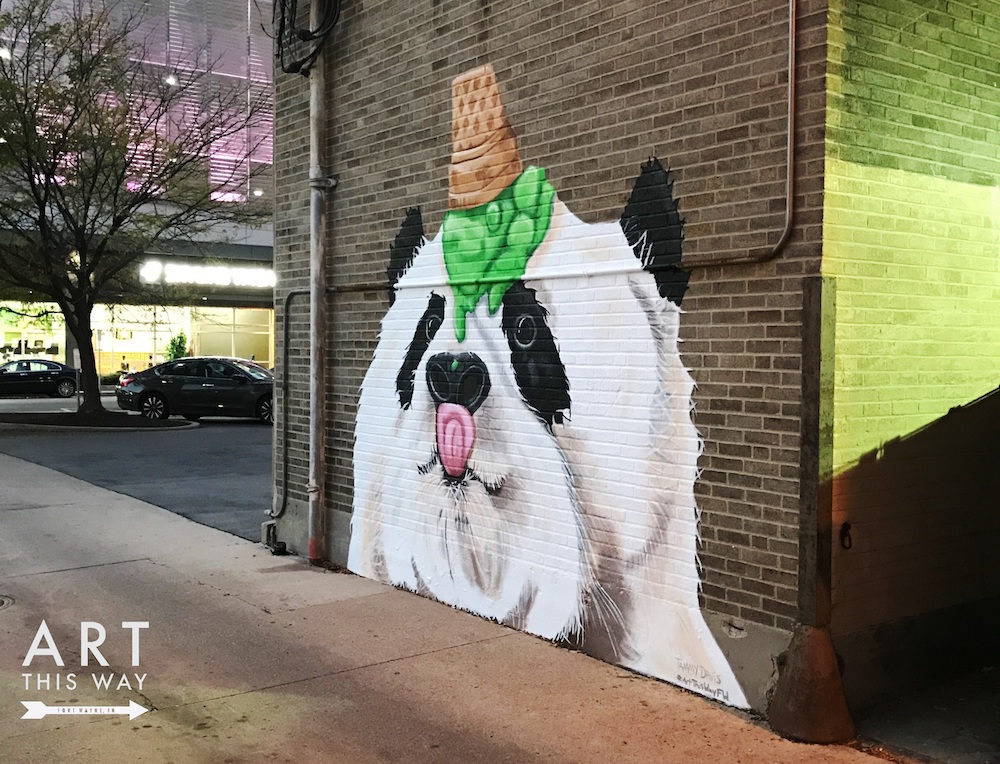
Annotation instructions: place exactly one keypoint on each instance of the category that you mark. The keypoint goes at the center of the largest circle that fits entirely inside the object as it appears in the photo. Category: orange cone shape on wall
(484, 159)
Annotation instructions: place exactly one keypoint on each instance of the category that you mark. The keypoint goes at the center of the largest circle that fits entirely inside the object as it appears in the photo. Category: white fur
(607, 495)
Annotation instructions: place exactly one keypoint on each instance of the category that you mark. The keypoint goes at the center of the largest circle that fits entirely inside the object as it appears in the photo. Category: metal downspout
(786, 233)
(318, 183)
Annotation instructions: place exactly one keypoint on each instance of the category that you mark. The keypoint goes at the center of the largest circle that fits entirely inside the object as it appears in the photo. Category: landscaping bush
(177, 347)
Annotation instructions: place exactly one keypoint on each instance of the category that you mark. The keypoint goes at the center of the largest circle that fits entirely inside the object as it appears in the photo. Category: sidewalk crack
(79, 567)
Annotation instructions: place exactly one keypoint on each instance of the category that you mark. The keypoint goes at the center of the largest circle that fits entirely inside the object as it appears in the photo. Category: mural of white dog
(524, 447)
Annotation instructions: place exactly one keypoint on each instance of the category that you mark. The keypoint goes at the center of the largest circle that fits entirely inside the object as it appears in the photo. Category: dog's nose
(458, 378)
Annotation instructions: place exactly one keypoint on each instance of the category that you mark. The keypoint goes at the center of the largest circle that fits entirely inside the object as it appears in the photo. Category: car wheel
(154, 406)
(265, 409)
(65, 388)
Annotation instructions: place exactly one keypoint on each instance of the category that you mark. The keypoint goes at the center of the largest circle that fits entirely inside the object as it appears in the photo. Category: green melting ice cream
(486, 248)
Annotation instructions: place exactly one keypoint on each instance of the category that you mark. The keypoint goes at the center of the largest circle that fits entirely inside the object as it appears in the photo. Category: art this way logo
(93, 635)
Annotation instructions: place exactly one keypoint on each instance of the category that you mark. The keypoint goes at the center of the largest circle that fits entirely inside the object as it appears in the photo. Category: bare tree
(104, 152)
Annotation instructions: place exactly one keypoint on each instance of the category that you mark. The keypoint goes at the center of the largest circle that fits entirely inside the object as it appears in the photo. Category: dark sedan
(197, 387)
(31, 377)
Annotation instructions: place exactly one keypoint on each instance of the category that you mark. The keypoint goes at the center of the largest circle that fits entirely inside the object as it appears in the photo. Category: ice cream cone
(484, 159)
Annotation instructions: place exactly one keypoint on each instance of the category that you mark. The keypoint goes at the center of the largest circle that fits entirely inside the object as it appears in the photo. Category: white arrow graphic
(38, 710)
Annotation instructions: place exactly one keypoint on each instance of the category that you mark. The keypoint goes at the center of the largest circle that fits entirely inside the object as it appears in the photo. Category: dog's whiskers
(459, 484)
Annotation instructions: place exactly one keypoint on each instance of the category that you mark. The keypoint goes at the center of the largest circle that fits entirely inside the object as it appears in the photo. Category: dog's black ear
(655, 230)
(403, 248)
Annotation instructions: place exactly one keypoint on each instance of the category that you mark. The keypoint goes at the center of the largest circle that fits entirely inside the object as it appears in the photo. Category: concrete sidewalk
(254, 658)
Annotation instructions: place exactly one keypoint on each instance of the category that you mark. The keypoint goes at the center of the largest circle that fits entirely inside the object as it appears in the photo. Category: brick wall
(592, 90)
(912, 232)
(291, 265)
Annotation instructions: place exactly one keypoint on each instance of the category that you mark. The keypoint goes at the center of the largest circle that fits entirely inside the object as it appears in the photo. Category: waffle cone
(484, 159)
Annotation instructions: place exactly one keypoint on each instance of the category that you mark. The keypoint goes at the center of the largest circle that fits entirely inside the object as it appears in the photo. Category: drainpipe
(319, 183)
(786, 232)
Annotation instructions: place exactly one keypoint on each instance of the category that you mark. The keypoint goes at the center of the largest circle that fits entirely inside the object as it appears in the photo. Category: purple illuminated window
(226, 38)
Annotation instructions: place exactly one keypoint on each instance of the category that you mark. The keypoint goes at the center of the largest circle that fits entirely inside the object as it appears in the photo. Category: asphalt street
(217, 474)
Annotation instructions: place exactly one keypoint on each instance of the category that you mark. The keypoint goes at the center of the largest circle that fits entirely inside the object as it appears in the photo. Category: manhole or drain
(5, 601)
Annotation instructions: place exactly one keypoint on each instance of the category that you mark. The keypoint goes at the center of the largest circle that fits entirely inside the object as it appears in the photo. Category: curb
(73, 428)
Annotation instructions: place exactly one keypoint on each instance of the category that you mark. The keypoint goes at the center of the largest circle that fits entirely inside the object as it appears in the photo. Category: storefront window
(237, 332)
(30, 331)
(134, 337)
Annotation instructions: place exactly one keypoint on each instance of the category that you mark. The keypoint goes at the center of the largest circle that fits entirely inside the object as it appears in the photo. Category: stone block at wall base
(292, 528)
(338, 538)
(752, 650)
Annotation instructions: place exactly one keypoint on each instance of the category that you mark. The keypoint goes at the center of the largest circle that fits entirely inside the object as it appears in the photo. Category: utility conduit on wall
(280, 503)
(786, 233)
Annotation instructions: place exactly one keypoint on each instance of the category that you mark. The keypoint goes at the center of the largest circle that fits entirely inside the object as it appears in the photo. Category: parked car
(35, 377)
(197, 387)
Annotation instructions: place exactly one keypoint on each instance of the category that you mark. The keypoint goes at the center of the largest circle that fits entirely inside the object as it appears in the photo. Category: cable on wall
(297, 41)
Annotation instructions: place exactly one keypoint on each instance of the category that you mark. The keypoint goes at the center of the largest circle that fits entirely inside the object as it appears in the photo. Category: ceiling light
(170, 79)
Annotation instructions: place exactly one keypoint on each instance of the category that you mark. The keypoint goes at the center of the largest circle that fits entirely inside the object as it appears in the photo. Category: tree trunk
(79, 326)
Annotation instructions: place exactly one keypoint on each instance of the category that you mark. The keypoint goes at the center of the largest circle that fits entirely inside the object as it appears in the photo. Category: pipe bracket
(323, 182)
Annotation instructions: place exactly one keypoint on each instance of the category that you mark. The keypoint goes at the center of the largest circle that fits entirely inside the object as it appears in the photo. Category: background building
(219, 293)
(841, 322)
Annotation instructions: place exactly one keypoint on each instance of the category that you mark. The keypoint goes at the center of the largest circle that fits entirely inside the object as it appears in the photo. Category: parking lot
(218, 473)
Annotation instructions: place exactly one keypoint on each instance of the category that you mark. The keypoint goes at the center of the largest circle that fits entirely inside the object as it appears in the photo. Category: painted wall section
(912, 213)
(912, 241)
(917, 267)
(524, 447)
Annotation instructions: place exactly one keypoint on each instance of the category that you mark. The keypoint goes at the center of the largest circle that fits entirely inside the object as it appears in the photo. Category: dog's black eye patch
(427, 327)
(538, 369)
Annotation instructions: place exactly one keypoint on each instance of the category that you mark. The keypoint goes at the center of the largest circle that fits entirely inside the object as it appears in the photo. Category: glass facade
(227, 40)
(129, 337)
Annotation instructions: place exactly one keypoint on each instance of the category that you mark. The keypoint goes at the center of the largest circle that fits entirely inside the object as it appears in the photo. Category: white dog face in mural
(524, 448)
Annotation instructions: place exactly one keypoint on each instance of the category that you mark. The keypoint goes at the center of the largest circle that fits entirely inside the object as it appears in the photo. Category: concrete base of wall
(293, 530)
(881, 661)
(338, 537)
(752, 650)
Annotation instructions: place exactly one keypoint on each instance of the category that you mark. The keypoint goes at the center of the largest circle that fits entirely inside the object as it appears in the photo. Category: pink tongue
(456, 432)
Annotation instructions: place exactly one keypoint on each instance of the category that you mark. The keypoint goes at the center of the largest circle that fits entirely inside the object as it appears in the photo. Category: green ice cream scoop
(486, 248)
